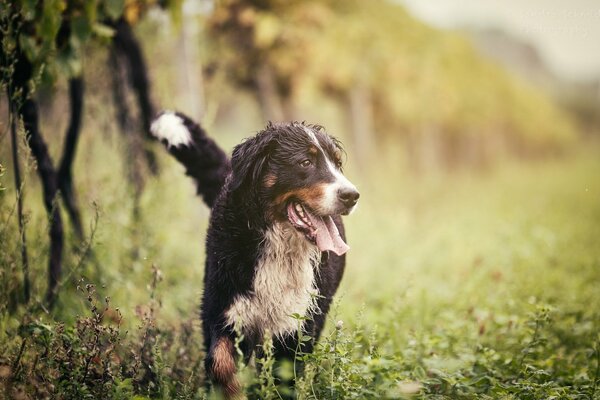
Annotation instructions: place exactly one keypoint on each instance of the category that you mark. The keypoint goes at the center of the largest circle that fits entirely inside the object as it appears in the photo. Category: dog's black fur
(283, 164)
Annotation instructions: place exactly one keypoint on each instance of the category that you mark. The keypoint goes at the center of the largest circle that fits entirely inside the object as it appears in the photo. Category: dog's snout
(348, 196)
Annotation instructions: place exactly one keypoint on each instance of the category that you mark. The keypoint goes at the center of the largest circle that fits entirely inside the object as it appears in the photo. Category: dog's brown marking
(270, 180)
(223, 367)
(309, 195)
(337, 156)
(313, 150)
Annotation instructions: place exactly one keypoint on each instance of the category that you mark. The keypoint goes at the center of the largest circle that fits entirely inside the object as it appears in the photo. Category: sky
(567, 33)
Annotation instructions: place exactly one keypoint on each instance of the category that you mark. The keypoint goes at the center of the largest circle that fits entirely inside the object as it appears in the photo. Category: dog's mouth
(320, 230)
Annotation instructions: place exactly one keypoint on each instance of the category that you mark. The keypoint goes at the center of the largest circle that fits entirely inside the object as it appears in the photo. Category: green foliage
(266, 389)
(422, 82)
(54, 33)
(95, 358)
(51, 53)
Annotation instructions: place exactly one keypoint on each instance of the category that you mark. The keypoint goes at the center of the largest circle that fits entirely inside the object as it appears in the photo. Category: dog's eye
(305, 163)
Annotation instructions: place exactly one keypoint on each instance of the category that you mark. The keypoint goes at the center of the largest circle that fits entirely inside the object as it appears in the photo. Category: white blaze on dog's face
(340, 189)
(304, 183)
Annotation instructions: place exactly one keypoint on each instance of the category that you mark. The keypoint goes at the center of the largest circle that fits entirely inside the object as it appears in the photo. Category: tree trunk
(48, 176)
(126, 123)
(28, 111)
(290, 110)
(134, 143)
(268, 96)
(65, 175)
(128, 48)
(360, 119)
(190, 71)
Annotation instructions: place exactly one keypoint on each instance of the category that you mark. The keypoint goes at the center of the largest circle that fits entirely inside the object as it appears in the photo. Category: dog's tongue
(328, 236)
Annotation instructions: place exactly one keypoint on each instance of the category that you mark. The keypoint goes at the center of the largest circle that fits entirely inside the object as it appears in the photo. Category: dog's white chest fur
(283, 285)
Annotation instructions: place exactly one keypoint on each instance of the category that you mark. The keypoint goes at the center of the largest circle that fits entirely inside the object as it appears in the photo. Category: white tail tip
(170, 127)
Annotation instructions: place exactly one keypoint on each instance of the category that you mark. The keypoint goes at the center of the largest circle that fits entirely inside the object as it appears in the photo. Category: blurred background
(471, 130)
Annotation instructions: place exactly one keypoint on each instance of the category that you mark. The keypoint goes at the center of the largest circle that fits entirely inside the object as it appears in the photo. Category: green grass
(484, 284)
(458, 285)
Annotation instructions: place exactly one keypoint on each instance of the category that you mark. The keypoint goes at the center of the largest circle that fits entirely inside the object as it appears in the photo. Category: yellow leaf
(266, 30)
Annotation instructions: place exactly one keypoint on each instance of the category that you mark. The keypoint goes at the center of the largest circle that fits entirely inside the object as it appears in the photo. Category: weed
(455, 297)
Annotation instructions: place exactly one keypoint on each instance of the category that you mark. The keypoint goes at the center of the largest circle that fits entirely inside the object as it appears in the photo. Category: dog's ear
(249, 159)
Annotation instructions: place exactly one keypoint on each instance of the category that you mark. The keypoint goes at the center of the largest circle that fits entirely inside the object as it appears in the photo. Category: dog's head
(293, 172)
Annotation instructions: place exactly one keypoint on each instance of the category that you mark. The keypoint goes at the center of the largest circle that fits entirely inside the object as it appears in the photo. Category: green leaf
(51, 18)
(102, 30)
(28, 9)
(35, 328)
(30, 47)
(90, 8)
(114, 8)
(81, 29)
(69, 63)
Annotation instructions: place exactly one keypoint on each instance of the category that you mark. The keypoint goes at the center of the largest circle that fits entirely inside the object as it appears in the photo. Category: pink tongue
(328, 236)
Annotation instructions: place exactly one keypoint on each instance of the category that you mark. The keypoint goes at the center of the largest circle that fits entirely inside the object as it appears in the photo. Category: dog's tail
(202, 158)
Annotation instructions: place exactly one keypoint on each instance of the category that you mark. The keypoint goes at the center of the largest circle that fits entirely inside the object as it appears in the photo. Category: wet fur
(259, 270)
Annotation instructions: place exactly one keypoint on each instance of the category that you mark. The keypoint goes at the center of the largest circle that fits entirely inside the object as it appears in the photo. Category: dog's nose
(348, 196)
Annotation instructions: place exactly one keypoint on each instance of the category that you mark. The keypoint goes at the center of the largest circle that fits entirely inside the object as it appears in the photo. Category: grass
(458, 285)
(490, 282)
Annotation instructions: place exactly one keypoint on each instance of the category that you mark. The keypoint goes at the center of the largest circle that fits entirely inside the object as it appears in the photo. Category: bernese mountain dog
(275, 247)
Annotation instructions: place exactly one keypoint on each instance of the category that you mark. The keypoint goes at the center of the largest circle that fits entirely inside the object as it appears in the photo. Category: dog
(275, 247)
